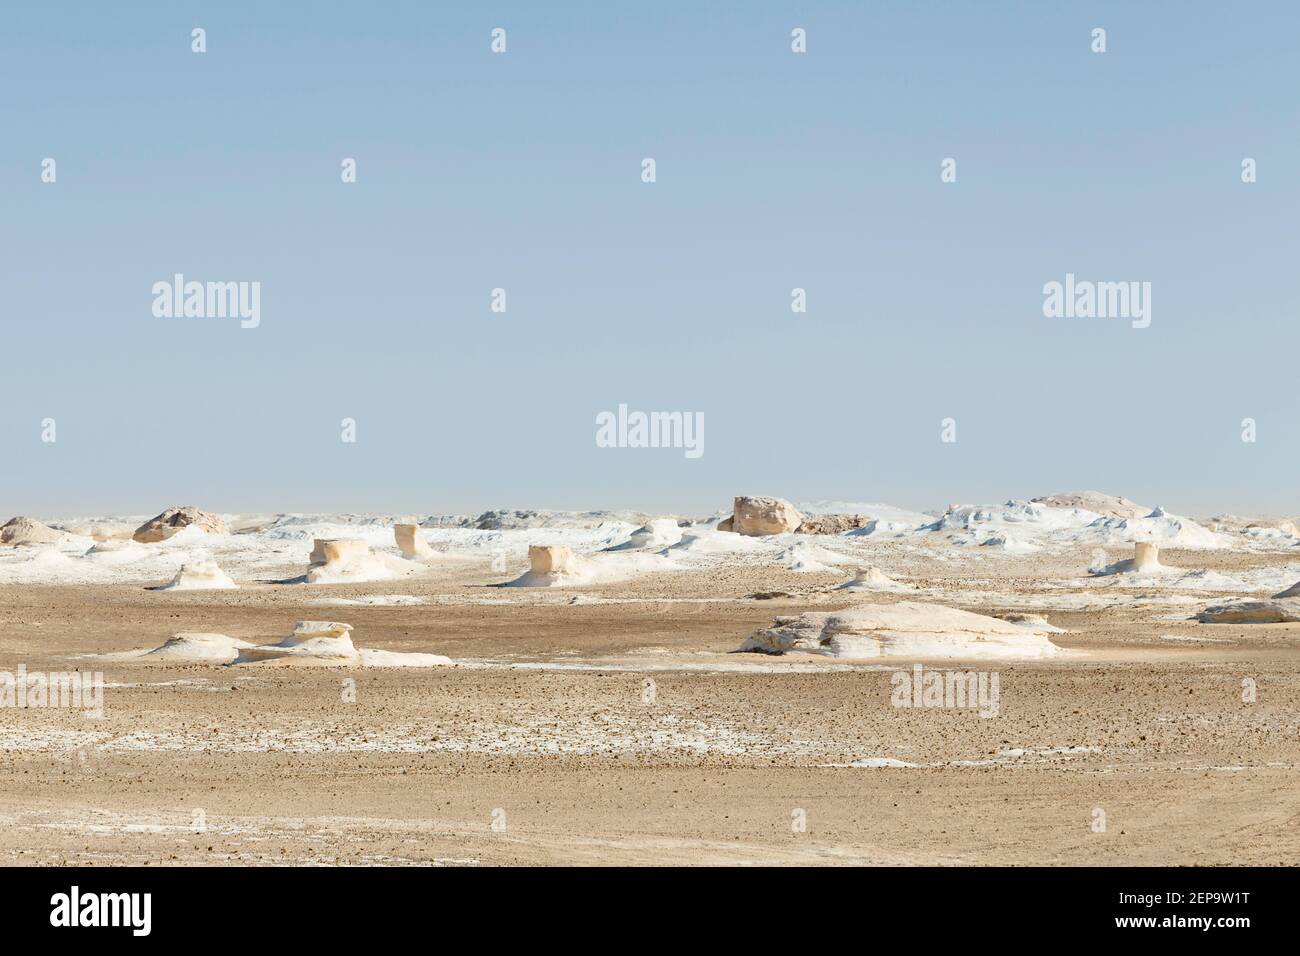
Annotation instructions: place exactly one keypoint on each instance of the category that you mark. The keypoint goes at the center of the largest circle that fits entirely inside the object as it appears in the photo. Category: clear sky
(522, 170)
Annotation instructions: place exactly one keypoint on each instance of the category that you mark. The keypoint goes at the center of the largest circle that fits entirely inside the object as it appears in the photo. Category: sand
(546, 721)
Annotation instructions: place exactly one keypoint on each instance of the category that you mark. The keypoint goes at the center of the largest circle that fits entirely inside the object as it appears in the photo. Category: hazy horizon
(522, 170)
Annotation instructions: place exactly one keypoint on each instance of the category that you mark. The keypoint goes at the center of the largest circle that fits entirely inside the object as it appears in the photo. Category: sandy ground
(548, 746)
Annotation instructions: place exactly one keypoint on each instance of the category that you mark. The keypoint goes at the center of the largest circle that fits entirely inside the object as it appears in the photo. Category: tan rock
(174, 519)
(329, 550)
(1276, 611)
(725, 525)
(832, 524)
(409, 541)
(758, 515)
(545, 559)
(26, 531)
(1146, 556)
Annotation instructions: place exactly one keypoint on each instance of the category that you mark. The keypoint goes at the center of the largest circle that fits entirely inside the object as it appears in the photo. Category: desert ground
(608, 719)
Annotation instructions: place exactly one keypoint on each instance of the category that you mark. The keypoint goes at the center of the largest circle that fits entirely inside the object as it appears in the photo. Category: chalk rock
(329, 644)
(659, 533)
(906, 629)
(410, 542)
(350, 561)
(199, 648)
(1110, 506)
(549, 559)
(1145, 560)
(28, 531)
(1146, 557)
(1243, 611)
(174, 519)
(323, 642)
(831, 524)
(873, 579)
(326, 550)
(757, 515)
(200, 576)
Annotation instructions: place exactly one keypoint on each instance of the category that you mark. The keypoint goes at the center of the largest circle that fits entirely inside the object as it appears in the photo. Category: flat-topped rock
(905, 629)
(549, 558)
(1245, 611)
(410, 543)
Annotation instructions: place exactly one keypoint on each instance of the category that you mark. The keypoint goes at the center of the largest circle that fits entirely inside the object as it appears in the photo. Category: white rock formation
(550, 558)
(1243, 611)
(198, 648)
(312, 643)
(757, 515)
(906, 629)
(200, 576)
(1146, 557)
(23, 531)
(411, 544)
(349, 560)
(659, 533)
(1145, 561)
(328, 643)
(327, 550)
(175, 519)
(1110, 506)
(873, 579)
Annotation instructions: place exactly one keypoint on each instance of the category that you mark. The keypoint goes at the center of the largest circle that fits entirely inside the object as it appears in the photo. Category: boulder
(831, 524)
(410, 542)
(1244, 611)
(757, 515)
(28, 531)
(725, 524)
(905, 629)
(174, 519)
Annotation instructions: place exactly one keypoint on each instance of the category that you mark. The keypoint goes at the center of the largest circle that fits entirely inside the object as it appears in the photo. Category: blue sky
(522, 171)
